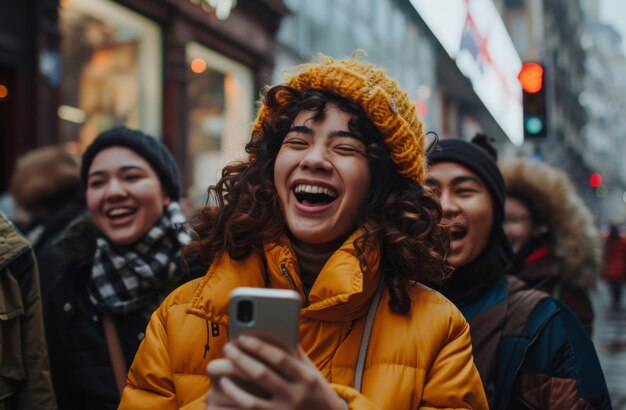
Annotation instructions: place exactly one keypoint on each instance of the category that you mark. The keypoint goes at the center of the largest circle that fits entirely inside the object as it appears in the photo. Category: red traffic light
(531, 77)
(595, 180)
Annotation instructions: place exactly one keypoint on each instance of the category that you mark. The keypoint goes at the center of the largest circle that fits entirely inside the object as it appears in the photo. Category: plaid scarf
(125, 279)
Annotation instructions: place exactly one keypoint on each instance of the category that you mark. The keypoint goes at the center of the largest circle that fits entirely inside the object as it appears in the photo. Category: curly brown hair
(243, 209)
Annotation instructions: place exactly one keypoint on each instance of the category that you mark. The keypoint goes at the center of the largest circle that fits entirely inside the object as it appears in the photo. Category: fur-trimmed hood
(576, 240)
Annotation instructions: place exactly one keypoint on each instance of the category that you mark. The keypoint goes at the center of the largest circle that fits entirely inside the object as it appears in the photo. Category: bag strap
(512, 349)
(365, 338)
(120, 371)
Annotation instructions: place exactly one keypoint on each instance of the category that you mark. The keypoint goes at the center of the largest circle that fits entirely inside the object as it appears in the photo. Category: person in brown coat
(25, 382)
(556, 244)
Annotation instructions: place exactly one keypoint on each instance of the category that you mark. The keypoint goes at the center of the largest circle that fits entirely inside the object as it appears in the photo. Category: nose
(448, 204)
(315, 159)
(114, 190)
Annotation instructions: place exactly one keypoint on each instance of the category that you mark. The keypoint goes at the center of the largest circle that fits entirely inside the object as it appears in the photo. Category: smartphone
(270, 314)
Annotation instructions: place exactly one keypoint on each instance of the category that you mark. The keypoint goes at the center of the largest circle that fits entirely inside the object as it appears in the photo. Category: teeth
(118, 211)
(312, 189)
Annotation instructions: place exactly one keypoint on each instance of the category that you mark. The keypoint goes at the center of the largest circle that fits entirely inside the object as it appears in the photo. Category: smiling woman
(330, 204)
(121, 260)
(124, 195)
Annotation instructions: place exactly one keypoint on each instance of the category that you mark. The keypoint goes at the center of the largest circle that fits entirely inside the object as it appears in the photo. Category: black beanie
(149, 148)
(479, 160)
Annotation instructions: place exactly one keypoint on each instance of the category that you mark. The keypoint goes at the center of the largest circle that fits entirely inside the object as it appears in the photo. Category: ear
(166, 199)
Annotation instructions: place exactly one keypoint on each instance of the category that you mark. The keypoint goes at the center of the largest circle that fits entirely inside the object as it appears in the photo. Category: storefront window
(111, 71)
(220, 101)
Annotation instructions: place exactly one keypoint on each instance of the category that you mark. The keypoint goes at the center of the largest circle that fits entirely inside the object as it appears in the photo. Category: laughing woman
(330, 204)
(120, 262)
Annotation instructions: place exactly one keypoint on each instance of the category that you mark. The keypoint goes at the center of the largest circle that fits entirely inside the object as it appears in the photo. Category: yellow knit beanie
(385, 103)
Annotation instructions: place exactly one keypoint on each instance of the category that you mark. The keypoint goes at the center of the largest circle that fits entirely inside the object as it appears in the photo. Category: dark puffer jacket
(81, 367)
(532, 352)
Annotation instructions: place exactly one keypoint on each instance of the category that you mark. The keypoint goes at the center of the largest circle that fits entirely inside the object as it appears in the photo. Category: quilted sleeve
(452, 380)
(150, 385)
(561, 369)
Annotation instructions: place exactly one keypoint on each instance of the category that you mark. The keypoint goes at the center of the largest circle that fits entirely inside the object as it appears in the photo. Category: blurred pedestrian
(614, 271)
(530, 350)
(46, 186)
(121, 260)
(330, 204)
(25, 383)
(556, 245)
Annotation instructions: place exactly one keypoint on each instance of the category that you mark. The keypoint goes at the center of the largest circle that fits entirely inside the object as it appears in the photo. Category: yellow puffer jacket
(420, 360)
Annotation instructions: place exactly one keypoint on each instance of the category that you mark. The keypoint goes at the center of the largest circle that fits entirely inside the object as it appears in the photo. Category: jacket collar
(341, 292)
(12, 244)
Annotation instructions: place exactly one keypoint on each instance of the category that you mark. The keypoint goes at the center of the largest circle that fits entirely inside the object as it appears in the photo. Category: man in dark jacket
(530, 350)
(24, 372)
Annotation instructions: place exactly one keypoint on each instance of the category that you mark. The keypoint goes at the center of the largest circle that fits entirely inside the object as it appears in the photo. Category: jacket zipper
(286, 274)
(206, 346)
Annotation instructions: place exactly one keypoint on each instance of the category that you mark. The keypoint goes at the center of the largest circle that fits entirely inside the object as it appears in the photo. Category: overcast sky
(614, 12)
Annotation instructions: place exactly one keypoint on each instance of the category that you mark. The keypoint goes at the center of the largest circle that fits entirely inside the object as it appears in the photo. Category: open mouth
(312, 195)
(458, 232)
(119, 213)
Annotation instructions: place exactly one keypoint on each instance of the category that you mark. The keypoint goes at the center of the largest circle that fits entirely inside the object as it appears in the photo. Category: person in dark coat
(24, 370)
(552, 232)
(120, 261)
(530, 350)
(46, 186)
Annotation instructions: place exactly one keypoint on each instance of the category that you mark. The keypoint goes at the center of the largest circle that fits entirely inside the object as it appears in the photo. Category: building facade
(552, 33)
(604, 99)
(444, 75)
(185, 71)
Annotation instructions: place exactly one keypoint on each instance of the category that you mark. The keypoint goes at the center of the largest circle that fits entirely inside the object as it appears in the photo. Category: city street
(279, 129)
(609, 335)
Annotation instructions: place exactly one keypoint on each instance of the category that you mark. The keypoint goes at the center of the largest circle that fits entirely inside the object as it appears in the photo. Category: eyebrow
(466, 178)
(338, 133)
(123, 169)
(456, 180)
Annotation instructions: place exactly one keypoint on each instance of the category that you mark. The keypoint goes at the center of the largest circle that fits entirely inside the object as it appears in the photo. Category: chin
(457, 261)
(123, 240)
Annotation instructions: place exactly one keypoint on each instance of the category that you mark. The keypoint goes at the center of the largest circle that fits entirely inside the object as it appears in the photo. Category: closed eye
(295, 143)
(132, 177)
(95, 183)
(348, 149)
(466, 191)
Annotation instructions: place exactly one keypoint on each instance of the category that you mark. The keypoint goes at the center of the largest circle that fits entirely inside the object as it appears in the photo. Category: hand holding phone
(272, 317)
(270, 314)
